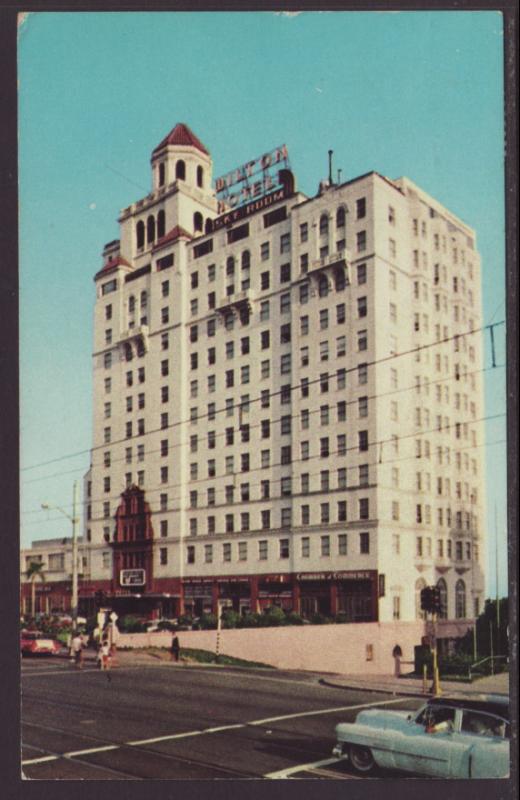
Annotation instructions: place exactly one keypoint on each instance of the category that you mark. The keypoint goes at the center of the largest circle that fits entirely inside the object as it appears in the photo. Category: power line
(232, 475)
(346, 371)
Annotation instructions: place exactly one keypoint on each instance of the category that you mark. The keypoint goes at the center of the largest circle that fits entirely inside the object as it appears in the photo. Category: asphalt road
(188, 722)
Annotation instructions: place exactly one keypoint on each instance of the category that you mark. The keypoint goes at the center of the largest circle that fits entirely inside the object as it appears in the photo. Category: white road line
(324, 711)
(188, 734)
(284, 773)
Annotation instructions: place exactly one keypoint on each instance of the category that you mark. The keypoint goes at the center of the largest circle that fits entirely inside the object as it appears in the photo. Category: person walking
(105, 658)
(77, 650)
(175, 648)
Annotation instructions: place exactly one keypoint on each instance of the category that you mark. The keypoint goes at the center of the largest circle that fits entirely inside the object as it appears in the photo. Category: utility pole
(74, 558)
(497, 597)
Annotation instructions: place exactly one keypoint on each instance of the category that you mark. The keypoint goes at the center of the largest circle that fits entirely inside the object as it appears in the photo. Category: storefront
(350, 593)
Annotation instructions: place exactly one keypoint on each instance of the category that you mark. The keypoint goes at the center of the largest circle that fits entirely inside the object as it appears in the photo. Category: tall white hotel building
(287, 397)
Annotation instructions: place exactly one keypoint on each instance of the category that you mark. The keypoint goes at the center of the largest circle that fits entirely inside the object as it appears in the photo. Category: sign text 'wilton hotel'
(252, 180)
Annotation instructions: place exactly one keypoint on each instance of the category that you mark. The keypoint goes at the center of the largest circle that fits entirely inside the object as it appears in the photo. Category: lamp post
(74, 519)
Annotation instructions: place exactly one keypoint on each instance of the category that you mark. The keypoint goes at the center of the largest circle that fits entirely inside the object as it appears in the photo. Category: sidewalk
(491, 684)
(412, 687)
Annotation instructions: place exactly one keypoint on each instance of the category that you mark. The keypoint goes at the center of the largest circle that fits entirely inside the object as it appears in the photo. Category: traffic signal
(436, 600)
(427, 598)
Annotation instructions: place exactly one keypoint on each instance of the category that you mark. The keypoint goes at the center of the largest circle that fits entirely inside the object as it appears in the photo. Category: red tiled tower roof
(176, 233)
(181, 135)
(118, 261)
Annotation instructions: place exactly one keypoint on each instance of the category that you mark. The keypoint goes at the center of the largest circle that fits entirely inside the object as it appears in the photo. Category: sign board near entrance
(132, 577)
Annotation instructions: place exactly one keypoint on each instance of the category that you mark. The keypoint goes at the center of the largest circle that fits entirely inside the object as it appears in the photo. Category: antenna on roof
(330, 167)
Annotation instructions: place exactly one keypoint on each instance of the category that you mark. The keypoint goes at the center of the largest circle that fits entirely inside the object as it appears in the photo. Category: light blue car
(447, 738)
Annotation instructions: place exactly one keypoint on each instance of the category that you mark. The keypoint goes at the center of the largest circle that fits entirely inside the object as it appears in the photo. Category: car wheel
(361, 758)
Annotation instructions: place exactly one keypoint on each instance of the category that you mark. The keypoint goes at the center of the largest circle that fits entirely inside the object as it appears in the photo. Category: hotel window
(208, 553)
(262, 549)
(286, 486)
(363, 440)
(226, 551)
(362, 306)
(342, 544)
(362, 340)
(363, 474)
(364, 510)
(285, 364)
(306, 547)
(304, 293)
(324, 351)
(361, 208)
(304, 232)
(304, 263)
(342, 511)
(285, 424)
(230, 465)
(392, 248)
(244, 521)
(285, 273)
(361, 241)
(285, 243)
(242, 550)
(264, 310)
(230, 523)
(285, 333)
(342, 478)
(266, 519)
(264, 254)
(265, 458)
(244, 462)
(284, 543)
(285, 303)
(364, 543)
(324, 480)
(194, 307)
(324, 319)
(304, 447)
(106, 484)
(363, 406)
(342, 378)
(305, 515)
(107, 360)
(140, 478)
(324, 382)
(324, 415)
(265, 489)
(342, 444)
(128, 429)
(342, 411)
(285, 454)
(244, 374)
(325, 545)
(341, 346)
(305, 387)
(163, 502)
(324, 447)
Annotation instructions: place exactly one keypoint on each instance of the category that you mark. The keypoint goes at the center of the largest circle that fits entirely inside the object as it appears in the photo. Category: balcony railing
(237, 299)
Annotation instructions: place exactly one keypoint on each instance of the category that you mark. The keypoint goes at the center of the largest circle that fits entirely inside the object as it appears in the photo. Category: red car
(34, 643)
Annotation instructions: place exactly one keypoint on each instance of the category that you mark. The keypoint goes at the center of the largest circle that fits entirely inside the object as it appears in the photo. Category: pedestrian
(77, 650)
(175, 648)
(105, 658)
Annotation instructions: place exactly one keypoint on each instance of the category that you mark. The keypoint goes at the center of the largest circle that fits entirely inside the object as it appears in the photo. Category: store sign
(252, 180)
(132, 577)
(250, 208)
(333, 576)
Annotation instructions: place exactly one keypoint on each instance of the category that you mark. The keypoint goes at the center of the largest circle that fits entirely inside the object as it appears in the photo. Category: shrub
(130, 624)
(208, 622)
(292, 618)
(341, 618)
(230, 619)
(320, 619)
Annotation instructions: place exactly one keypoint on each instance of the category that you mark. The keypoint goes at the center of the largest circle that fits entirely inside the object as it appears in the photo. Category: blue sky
(417, 94)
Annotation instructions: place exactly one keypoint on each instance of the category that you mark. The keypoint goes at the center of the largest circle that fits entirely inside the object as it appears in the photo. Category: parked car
(34, 643)
(448, 737)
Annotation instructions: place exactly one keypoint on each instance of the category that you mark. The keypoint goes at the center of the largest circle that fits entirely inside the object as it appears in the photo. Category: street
(187, 722)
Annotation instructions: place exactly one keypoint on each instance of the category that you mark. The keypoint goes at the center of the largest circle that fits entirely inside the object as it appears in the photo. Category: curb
(374, 689)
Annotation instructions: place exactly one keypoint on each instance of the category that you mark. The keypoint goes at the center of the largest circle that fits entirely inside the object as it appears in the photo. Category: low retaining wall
(345, 649)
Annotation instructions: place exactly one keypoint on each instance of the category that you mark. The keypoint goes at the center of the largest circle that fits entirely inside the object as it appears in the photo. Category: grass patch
(207, 657)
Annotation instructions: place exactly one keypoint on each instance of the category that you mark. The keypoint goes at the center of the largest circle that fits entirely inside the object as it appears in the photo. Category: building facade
(287, 397)
(52, 590)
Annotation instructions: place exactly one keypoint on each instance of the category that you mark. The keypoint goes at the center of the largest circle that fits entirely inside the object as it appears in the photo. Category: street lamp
(74, 519)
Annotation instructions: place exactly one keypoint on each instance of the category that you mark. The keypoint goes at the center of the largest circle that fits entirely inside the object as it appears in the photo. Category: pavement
(387, 684)
(491, 684)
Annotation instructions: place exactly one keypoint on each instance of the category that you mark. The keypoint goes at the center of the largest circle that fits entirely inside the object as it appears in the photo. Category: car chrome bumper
(338, 750)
